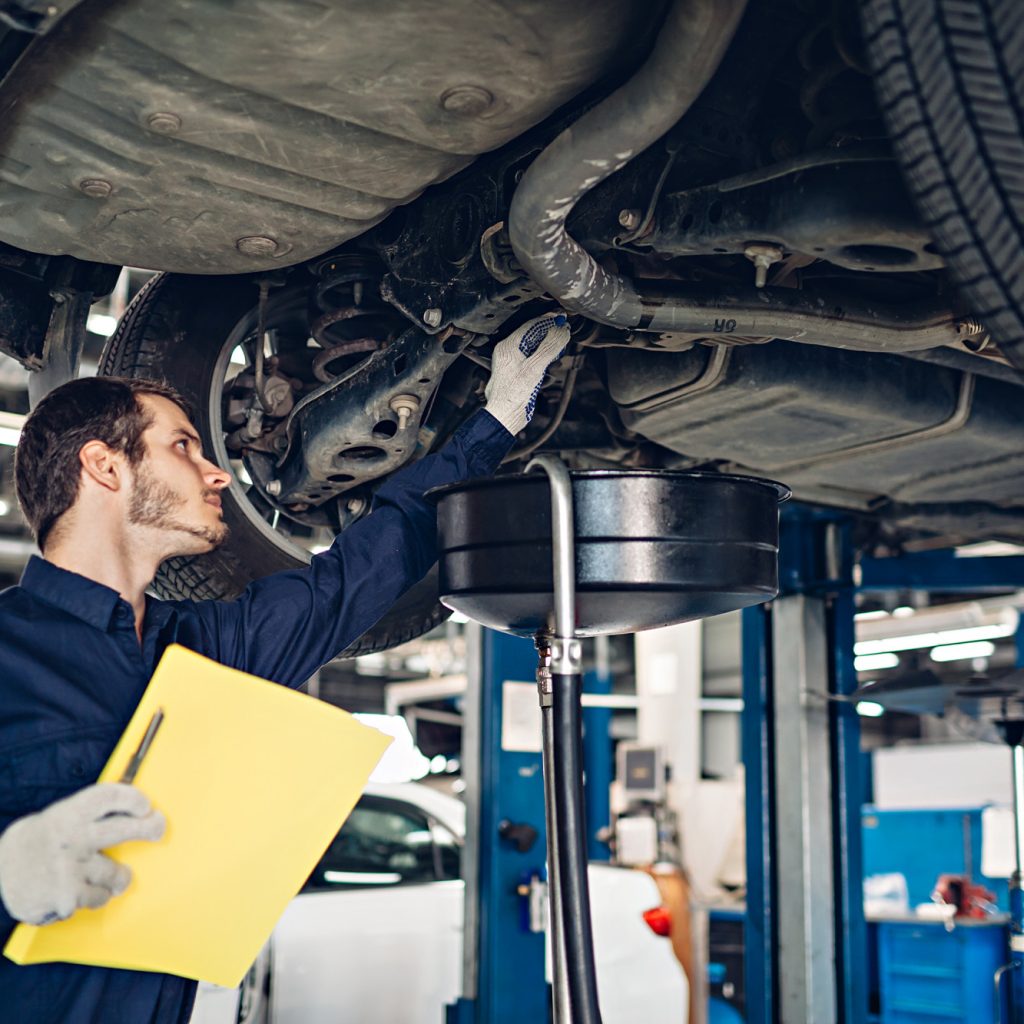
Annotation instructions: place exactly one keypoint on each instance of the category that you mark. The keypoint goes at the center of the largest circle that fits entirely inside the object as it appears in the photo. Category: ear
(102, 465)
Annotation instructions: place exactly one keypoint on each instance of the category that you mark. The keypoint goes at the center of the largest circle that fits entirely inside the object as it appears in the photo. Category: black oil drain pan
(652, 548)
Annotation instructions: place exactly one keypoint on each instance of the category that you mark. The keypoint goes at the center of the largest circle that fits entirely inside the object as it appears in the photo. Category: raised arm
(285, 626)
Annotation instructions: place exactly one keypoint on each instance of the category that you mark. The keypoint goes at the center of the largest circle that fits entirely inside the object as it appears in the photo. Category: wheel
(950, 78)
(197, 334)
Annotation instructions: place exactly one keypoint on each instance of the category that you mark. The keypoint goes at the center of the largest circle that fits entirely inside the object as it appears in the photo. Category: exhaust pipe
(688, 51)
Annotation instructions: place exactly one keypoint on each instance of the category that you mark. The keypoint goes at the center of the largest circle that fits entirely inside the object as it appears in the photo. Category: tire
(950, 79)
(173, 331)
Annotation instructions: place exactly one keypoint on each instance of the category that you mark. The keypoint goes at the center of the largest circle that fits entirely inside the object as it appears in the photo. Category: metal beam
(940, 571)
(803, 802)
(848, 791)
(760, 974)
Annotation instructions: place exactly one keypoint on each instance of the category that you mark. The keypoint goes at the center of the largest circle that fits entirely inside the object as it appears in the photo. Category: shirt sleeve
(287, 625)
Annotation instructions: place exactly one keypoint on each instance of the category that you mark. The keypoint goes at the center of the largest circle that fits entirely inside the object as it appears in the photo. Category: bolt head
(467, 100)
(273, 487)
(95, 188)
(258, 245)
(629, 219)
(432, 317)
(404, 404)
(163, 122)
(763, 252)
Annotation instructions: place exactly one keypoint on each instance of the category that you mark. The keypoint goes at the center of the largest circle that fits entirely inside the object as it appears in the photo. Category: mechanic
(112, 479)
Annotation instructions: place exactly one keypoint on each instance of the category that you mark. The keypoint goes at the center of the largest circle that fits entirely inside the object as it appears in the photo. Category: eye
(182, 443)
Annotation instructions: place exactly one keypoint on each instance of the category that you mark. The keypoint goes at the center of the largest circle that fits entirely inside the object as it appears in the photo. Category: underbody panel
(223, 138)
(854, 429)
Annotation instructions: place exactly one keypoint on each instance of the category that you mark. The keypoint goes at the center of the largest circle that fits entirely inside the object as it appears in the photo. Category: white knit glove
(517, 369)
(50, 862)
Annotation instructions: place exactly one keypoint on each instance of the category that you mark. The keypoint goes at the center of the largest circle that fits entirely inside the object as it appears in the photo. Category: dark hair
(46, 467)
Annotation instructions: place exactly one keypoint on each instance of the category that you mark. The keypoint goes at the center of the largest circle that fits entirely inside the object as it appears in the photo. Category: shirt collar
(86, 599)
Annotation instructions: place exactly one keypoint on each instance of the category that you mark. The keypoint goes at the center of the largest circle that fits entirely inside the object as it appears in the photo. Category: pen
(147, 741)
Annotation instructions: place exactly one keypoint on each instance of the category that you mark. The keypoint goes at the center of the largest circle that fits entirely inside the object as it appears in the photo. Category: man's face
(174, 489)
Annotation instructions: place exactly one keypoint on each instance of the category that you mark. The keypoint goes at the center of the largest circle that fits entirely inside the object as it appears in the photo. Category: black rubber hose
(570, 810)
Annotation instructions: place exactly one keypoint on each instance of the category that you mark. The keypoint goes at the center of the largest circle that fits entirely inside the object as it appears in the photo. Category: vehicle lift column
(804, 866)
(503, 978)
(805, 937)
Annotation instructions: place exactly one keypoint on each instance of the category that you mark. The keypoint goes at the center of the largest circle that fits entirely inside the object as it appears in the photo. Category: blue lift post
(848, 796)
(503, 975)
(815, 563)
(760, 941)
(597, 760)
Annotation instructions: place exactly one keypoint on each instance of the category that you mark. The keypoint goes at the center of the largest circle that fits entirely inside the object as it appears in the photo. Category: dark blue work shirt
(72, 672)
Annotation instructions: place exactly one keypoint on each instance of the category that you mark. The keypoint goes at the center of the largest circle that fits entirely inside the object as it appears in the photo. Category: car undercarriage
(349, 204)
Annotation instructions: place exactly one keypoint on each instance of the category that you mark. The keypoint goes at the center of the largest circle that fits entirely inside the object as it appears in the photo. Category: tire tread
(950, 80)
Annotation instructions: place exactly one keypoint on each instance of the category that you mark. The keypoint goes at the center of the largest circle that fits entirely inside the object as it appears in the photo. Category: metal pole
(1018, 809)
(562, 1006)
(564, 569)
(563, 752)
(803, 806)
(563, 549)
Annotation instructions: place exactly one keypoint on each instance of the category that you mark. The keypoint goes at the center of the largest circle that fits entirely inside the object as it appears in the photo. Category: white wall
(942, 775)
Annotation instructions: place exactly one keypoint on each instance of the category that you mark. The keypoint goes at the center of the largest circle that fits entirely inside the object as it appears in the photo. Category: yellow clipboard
(254, 780)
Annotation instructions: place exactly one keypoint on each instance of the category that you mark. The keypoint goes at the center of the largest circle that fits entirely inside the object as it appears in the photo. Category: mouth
(215, 502)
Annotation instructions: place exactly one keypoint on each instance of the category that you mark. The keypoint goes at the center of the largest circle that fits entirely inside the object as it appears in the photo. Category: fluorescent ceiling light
(958, 652)
(9, 437)
(916, 641)
(869, 709)
(878, 613)
(872, 662)
(904, 611)
(101, 323)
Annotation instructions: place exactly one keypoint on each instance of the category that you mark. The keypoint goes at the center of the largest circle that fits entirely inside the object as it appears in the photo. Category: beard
(156, 505)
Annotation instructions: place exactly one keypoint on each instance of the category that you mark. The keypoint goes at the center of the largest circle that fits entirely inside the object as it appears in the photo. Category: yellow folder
(255, 780)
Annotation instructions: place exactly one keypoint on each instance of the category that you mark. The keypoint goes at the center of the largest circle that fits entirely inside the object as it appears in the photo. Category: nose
(214, 476)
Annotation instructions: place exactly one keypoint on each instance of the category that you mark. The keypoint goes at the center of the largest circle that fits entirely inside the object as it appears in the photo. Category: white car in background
(375, 937)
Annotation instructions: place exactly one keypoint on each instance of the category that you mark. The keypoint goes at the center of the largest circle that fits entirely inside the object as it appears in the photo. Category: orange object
(659, 920)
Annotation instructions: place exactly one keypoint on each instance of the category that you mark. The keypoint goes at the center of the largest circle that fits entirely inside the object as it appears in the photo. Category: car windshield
(386, 842)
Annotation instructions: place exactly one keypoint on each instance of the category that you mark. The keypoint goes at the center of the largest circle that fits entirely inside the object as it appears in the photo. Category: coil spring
(352, 323)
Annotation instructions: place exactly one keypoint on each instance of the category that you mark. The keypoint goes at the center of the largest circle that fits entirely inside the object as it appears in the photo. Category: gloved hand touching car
(518, 366)
(51, 862)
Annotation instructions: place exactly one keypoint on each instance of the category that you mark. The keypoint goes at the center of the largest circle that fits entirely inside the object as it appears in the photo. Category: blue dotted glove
(518, 366)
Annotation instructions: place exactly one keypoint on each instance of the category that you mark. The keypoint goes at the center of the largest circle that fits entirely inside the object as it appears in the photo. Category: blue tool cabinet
(929, 975)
